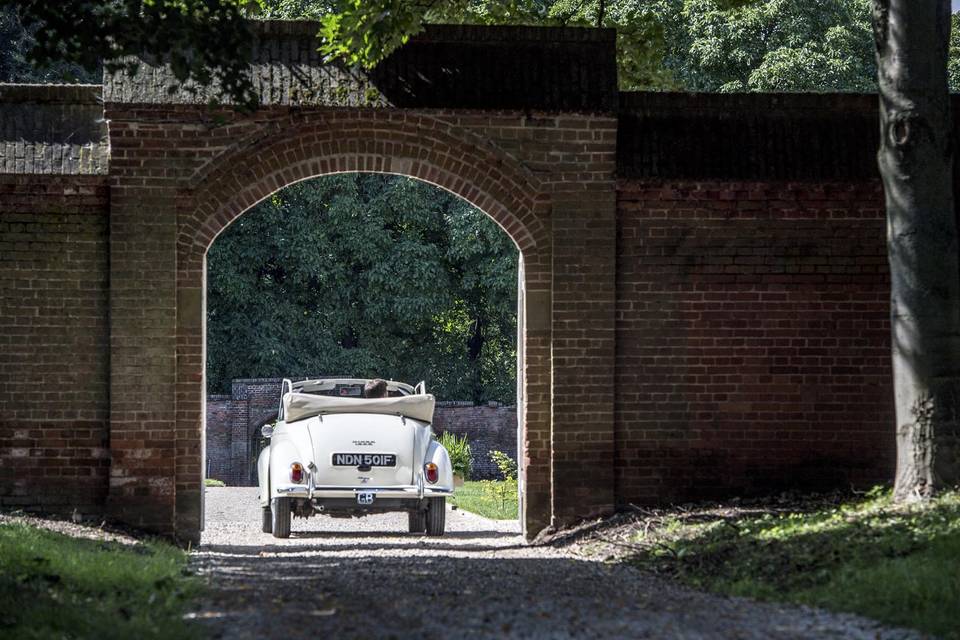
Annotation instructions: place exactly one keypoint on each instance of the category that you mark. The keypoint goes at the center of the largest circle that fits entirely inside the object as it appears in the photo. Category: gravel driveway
(369, 578)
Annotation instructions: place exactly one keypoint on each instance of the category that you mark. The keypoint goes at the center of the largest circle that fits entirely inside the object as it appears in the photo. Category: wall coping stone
(75, 94)
(561, 69)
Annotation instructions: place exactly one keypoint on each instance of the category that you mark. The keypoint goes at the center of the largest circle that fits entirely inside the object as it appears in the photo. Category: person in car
(375, 388)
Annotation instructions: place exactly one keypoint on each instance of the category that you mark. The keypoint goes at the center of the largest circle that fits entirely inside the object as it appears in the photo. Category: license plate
(364, 460)
(365, 497)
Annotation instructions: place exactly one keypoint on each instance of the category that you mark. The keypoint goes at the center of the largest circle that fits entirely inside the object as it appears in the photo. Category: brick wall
(752, 339)
(219, 435)
(54, 353)
(487, 428)
(714, 323)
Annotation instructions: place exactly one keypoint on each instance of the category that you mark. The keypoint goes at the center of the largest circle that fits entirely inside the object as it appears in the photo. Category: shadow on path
(368, 578)
(357, 592)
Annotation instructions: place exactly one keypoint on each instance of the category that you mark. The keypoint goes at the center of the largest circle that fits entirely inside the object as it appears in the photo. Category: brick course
(752, 339)
(53, 342)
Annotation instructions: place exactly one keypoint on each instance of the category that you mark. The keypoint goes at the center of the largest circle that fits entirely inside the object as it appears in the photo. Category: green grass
(495, 499)
(213, 482)
(894, 563)
(56, 586)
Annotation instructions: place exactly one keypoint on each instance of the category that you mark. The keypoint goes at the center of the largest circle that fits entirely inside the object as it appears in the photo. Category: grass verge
(899, 564)
(57, 586)
(494, 499)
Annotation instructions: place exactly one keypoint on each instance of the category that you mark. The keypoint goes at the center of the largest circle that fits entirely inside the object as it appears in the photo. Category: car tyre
(436, 516)
(267, 520)
(280, 512)
(417, 521)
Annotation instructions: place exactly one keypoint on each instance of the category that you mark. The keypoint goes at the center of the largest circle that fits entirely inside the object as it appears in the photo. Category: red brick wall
(218, 437)
(487, 428)
(546, 179)
(751, 330)
(752, 339)
(54, 353)
(233, 429)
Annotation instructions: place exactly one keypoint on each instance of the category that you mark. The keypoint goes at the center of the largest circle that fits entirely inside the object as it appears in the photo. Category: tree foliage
(16, 41)
(366, 31)
(692, 45)
(774, 45)
(203, 41)
(365, 275)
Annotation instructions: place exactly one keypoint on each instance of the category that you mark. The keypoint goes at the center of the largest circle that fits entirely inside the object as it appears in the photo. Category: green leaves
(769, 45)
(506, 464)
(365, 275)
(364, 31)
(460, 453)
(203, 41)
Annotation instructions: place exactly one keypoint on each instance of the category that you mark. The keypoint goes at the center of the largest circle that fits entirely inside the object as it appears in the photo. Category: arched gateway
(703, 290)
(281, 150)
(191, 172)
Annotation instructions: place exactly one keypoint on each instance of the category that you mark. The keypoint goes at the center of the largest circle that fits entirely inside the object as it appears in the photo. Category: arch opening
(367, 275)
(276, 153)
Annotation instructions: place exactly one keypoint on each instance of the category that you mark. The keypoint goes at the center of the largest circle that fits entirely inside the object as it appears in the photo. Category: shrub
(506, 464)
(502, 493)
(213, 482)
(460, 454)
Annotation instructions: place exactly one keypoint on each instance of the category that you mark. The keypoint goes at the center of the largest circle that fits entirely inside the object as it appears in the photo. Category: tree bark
(474, 350)
(916, 162)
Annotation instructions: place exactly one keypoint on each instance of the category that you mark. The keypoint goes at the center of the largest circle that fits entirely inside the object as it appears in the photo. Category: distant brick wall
(219, 436)
(487, 428)
(752, 338)
(54, 355)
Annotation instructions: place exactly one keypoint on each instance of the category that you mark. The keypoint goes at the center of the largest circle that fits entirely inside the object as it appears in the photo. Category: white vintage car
(337, 453)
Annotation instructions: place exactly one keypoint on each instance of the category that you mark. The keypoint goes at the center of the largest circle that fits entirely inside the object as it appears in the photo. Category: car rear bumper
(403, 493)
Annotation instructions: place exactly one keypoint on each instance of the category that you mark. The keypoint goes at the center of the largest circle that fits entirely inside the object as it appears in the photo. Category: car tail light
(432, 472)
(296, 472)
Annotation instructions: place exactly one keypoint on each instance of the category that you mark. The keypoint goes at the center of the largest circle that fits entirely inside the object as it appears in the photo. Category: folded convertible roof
(299, 406)
(326, 384)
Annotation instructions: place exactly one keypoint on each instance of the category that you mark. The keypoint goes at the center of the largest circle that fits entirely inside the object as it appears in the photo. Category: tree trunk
(916, 161)
(474, 350)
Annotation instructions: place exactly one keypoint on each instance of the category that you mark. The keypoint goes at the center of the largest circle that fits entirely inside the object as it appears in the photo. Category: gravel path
(369, 578)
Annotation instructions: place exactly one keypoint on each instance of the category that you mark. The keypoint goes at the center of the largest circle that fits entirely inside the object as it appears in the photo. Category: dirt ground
(369, 578)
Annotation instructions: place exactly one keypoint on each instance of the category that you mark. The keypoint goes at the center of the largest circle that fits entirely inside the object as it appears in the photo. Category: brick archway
(278, 153)
(705, 315)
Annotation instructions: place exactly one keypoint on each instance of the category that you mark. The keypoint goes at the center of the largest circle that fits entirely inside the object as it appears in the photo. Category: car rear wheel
(267, 519)
(280, 512)
(436, 516)
(417, 521)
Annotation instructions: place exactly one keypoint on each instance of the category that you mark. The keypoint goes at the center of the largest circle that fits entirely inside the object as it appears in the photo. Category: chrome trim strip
(419, 492)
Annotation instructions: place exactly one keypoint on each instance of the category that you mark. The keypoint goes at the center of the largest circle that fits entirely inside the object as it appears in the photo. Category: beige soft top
(328, 384)
(299, 406)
